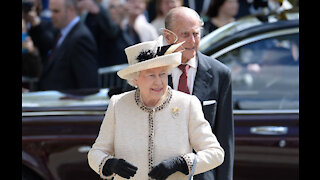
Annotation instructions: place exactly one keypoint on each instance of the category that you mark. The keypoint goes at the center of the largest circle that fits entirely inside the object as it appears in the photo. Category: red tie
(183, 81)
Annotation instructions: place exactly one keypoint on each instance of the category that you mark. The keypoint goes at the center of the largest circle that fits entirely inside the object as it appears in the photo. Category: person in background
(136, 24)
(220, 13)
(206, 78)
(162, 8)
(41, 31)
(116, 9)
(73, 63)
(103, 28)
(45, 12)
(200, 6)
(31, 60)
(150, 132)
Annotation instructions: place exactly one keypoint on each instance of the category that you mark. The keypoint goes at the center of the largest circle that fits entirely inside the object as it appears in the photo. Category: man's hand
(89, 5)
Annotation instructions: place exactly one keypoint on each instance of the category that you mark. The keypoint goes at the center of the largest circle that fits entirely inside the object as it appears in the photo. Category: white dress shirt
(176, 73)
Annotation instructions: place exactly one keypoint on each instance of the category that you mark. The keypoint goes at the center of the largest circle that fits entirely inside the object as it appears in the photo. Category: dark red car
(58, 128)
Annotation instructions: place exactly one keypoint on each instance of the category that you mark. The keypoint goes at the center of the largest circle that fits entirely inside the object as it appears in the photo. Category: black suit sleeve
(43, 37)
(105, 22)
(84, 62)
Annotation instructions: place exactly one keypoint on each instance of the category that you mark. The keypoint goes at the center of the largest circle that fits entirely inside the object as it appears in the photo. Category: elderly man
(206, 78)
(73, 61)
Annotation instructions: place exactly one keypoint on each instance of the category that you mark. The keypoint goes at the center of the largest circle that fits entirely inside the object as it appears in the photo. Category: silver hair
(134, 76)
(172, 13)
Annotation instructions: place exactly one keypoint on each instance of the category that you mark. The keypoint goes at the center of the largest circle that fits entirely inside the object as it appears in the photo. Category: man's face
(135, 7)
(116, 10)
(59, 14)
(188, 30)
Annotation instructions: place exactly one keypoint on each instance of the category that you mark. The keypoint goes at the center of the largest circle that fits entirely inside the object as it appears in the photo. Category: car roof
(56, 99)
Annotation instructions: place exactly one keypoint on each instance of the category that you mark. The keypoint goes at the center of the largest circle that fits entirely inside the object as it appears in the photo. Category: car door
(58, 130)
(265, 83)
(56, 140)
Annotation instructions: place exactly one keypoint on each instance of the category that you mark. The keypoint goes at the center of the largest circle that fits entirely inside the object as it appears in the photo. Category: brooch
(175, 112)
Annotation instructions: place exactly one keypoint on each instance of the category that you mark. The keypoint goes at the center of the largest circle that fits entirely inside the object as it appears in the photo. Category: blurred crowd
(65, 42)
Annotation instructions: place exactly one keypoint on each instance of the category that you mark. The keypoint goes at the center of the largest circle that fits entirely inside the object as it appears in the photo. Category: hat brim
(170, 60)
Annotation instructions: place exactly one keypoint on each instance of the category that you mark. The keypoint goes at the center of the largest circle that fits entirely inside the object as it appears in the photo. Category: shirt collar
(67, 29)
(193, 62)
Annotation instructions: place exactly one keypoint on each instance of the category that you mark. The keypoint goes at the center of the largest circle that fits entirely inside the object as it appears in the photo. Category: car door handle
(84, 149)
(269, 130)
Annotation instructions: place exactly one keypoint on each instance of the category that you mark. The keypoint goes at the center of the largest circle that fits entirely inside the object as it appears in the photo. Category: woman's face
(230, 8)
(166, 5)
(116, 10)
(152, 84)
(135, 7)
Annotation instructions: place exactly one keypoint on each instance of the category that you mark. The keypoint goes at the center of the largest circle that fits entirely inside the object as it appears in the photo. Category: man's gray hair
(169, 19)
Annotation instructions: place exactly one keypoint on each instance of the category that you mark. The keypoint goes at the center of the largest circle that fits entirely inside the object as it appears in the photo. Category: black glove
(120, 167)
(168, 167)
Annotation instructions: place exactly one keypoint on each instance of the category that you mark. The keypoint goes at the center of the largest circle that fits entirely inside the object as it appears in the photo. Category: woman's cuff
(189, 160)
(103, 162)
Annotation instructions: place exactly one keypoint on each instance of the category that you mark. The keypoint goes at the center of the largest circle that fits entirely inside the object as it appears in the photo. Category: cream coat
(178, 128)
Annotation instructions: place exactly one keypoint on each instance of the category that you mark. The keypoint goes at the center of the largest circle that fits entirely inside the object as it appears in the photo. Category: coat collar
(160, 106)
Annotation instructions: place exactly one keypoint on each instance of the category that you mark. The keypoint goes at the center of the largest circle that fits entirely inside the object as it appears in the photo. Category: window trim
(268, 111)
(254, 39)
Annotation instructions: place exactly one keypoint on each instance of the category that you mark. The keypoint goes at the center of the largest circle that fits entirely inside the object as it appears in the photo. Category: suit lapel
(202, 78)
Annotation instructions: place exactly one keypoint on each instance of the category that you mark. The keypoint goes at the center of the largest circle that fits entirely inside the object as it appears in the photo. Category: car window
(265, 73)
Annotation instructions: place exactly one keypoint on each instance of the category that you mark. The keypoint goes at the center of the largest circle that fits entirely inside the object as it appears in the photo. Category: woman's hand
(120, 167)
(168, 167)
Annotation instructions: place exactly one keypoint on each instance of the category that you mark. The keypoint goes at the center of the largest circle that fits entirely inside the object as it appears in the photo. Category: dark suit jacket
(73, 64)
(110, 38)
(213, 82)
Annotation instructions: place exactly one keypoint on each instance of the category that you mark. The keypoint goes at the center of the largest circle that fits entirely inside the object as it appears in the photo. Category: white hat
(148, 55)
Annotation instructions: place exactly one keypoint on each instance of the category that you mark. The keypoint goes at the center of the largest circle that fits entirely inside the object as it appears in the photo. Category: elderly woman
(150, 132)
